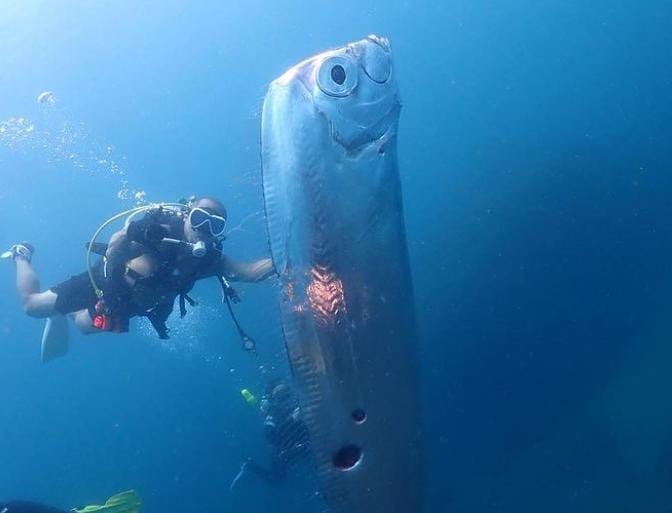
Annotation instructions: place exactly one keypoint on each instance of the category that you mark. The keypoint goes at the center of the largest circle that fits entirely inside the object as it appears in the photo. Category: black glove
(146, 232)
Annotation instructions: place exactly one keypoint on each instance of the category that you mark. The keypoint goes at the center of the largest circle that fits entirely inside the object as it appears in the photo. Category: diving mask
(199, 217)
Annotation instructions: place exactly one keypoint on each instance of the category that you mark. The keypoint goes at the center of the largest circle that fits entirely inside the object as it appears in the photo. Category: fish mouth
(375, 58)
(383, 42)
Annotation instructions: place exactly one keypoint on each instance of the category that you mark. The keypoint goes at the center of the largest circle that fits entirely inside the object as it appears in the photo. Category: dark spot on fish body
(359, 416)
(347, 457)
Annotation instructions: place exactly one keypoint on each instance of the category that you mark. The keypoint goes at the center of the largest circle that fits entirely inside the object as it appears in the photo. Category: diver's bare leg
(35, 303)
(27, 282)
(84, 322)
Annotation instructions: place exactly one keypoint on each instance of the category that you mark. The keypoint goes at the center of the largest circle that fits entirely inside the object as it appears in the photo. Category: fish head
(354, 91)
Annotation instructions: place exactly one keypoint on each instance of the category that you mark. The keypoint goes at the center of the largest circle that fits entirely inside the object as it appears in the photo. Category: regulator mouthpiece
(199, 249)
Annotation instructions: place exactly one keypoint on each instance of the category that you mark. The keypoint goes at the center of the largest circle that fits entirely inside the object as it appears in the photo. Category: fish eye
(337, 76)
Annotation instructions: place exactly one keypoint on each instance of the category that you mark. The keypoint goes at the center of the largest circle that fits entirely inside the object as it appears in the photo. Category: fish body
(335, 224)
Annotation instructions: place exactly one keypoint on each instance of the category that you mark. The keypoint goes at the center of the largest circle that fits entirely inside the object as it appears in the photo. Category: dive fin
(99, 248)
(55, 338)
(124, 502)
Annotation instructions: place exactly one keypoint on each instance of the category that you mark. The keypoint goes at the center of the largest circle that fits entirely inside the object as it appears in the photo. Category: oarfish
(335, 223)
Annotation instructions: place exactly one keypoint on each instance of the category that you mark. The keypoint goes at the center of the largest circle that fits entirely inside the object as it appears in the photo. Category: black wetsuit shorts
(77, 293)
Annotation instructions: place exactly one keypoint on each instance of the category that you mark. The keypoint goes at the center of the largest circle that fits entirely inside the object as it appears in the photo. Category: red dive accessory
(105, 321)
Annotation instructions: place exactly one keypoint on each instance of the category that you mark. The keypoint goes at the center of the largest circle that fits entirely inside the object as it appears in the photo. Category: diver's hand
(146, 232)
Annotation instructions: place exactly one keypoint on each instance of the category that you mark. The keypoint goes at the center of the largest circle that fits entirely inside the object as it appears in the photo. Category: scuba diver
(145, 267)
(285, 432)
(124, 502)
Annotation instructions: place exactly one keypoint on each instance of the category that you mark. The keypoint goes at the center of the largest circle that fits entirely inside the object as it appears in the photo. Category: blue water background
(535, 161)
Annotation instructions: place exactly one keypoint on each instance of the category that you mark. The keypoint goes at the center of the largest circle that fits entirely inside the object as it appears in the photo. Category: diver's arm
(128, 243)
(119, 251)
(246, 271)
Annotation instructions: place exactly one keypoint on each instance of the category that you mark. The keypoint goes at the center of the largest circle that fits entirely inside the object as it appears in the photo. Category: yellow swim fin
(124, 502)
